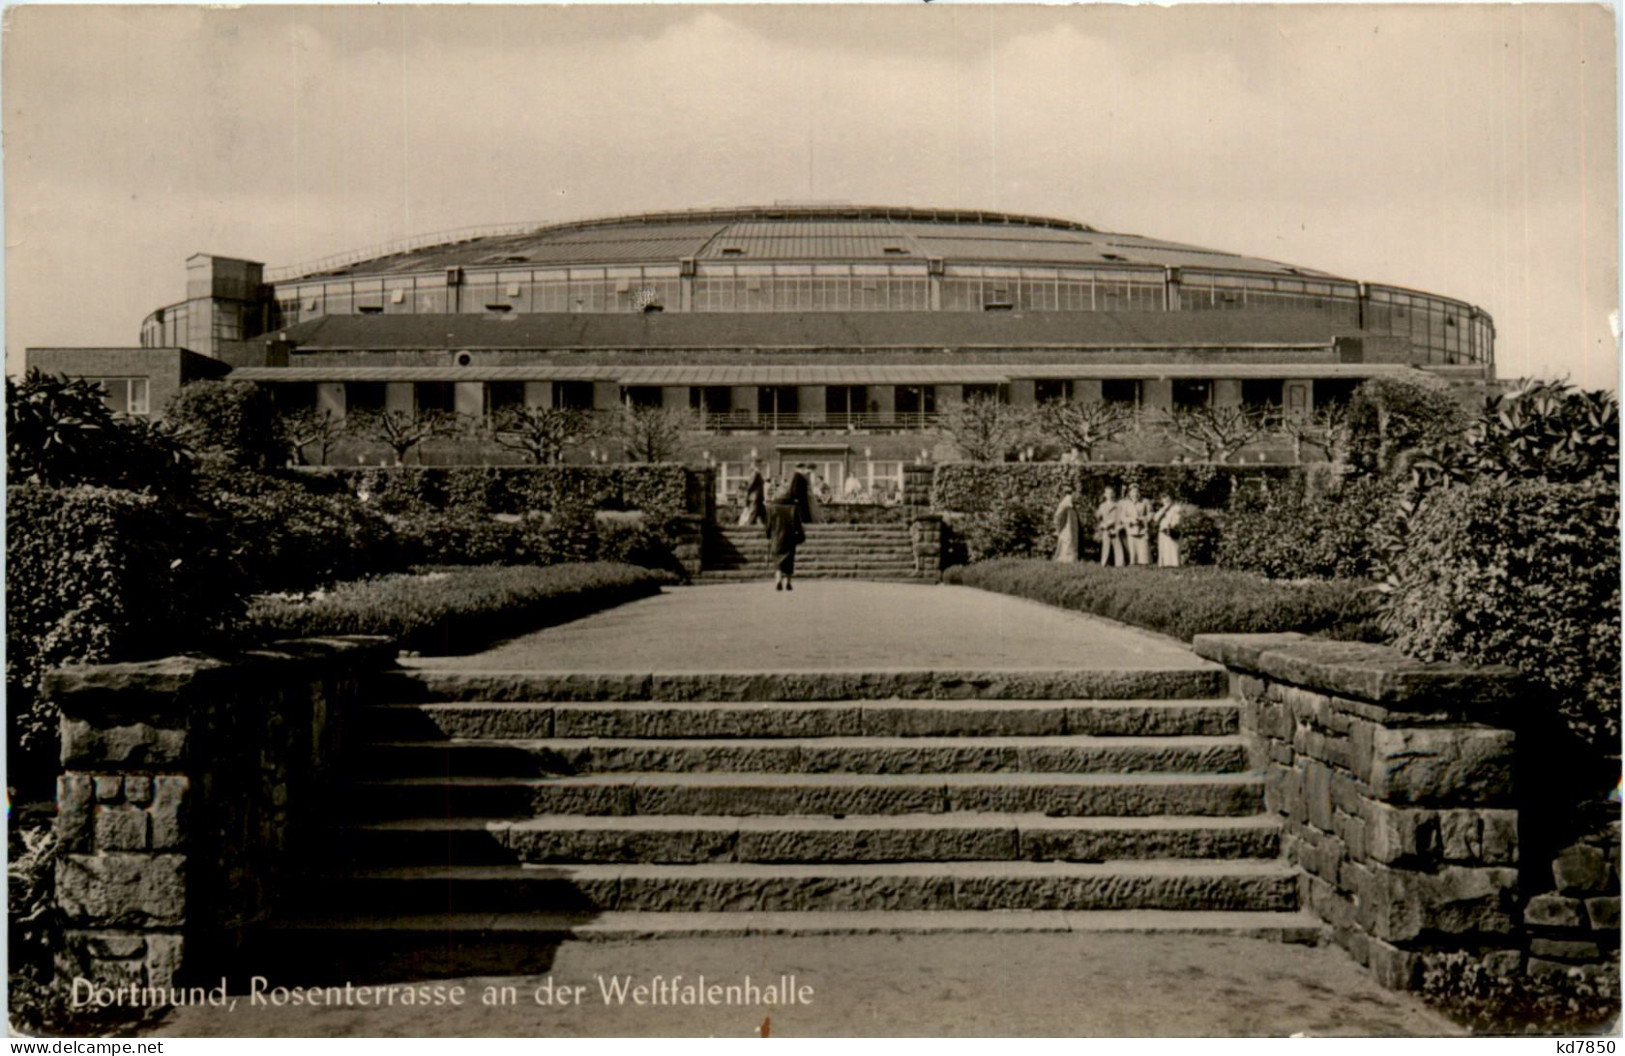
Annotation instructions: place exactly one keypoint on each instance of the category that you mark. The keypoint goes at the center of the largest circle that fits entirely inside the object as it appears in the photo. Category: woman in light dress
(1066, 530)
(1167, 517)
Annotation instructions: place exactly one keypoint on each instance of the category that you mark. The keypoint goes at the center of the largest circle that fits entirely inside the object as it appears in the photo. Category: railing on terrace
(872, 422)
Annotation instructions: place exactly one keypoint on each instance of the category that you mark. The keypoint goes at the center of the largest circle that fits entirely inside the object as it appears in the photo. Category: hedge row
(1185, 601)
(975, 487)
(660, 490)
(454, 610)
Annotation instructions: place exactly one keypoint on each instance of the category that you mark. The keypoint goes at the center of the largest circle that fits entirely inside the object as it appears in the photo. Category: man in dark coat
(755, 495)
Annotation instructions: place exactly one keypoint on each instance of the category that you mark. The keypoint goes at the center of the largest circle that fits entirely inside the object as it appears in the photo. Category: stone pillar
(606, 395)
(330, 397)
(742, 402)
(674, 397)
(1157, 395)
(810, 398)
(399, 396)
(1394, 782)
(1227, 392)
(1086, 390)
(538, 394)
(190, 788)
(1023, 392)
(925, 536)
(885, 396)
(469, 398)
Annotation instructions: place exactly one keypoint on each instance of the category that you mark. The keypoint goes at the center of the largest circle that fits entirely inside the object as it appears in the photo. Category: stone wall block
(122, 889)
(1396, 834)
(1581, 869)
(1603, 913)
(1442, 764)
(138, 789)
(1555, 911)
(75, 799)
(1456, 900)
(1317, 780)
(86, 745)
(109, 788)
(1564, 949)
(122, 828)
(1250, 687)
(1349, 794)
(168, 810)
(1393, 967)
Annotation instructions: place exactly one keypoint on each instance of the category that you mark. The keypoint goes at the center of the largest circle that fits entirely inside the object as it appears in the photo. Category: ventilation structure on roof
(732, 251)
(1114, 256)
(370, 309)
(895, 251)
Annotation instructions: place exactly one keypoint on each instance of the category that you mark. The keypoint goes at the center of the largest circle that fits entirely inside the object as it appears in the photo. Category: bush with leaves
(1009, 531)
(567, 535)
(638, 540)
(1525, 574)
(1199, 535)
(237, 421)
(461, 537)
(286, 537)
(60, 433)
(1390, 415)
(1297, 531)
(1489, 1002)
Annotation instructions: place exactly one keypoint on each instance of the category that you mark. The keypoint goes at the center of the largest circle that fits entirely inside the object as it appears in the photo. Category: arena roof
(766, 330)
(785, 233)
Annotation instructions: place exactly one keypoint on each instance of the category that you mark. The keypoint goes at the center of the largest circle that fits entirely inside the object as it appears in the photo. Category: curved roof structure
(787, 233)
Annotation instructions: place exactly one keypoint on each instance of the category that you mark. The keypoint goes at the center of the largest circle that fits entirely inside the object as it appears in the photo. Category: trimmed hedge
(979, 487)
(1185, 601)
(1305, 528)
(454, 610)
(662, 490)
(284, 537)
(1525, 574)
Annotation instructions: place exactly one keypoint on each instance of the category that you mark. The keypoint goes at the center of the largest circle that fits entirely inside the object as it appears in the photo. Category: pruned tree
(1324, 428)
(316, 427)
(543, 434)
(651, 434)
(399, 431)
(983, 428)
(1082, 427)
(1214, 434)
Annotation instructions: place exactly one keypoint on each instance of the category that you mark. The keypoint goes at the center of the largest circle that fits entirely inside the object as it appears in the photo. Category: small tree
(236, 420)
(1082, 427)
(983, 428)
(544, 434)
(1323, 429)
(320, 428)
(1214, 433)
(1391, 415)
(400, 431)
(651, 434)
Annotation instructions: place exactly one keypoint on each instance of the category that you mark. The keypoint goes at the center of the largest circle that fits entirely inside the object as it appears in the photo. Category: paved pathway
(830, 624)
(910, 986)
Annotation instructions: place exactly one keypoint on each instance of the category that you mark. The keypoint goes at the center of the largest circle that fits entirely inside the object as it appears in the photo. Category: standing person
(1066, 530)
(1109, 529)
(755, 511)
(1136, 518)
(784, 530)
(1167, 518)
(806, 502)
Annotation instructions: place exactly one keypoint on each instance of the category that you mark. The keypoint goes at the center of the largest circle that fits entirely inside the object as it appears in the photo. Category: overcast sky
(1468, 151)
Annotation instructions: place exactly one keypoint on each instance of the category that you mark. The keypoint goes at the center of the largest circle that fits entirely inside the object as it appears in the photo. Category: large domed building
(798, 320)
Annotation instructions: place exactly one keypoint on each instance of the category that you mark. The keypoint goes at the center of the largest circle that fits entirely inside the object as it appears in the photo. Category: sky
(1464, 150)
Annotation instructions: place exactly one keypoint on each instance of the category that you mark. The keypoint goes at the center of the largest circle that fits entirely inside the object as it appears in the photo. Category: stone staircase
(494, 813)
(832, 551)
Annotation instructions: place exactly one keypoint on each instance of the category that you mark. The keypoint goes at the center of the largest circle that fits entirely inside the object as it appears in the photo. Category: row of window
(840, 404)
(125, 395)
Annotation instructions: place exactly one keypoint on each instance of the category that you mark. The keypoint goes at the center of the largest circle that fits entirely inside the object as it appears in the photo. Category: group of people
(793, 506)
(1124, 528)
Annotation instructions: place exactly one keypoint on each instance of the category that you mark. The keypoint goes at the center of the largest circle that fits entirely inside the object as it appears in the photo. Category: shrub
(236, 420)
(1183, 602)
(1525, 574)
(964, 487)
(637, 540)
(1295, 531)
(1009, 531)
(661, 490)
(1199, 534)
(453, 610)
(99, 574)
(567, 535)
(1486, 1002)
(1390, 415)
(284, 537)
(460, 538)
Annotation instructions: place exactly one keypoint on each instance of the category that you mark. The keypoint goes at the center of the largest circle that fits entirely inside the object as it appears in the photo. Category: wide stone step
(1058, 795)
(1206, 681)
(480, 943)
(691, 839)
(751, 887)
(885, 718)
(727, 576)
(860, 755)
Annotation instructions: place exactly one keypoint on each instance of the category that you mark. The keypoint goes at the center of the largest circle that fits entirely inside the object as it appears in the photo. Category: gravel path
(829, 624)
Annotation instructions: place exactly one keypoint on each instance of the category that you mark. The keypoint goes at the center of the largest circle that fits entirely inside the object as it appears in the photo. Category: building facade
(811, 326)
